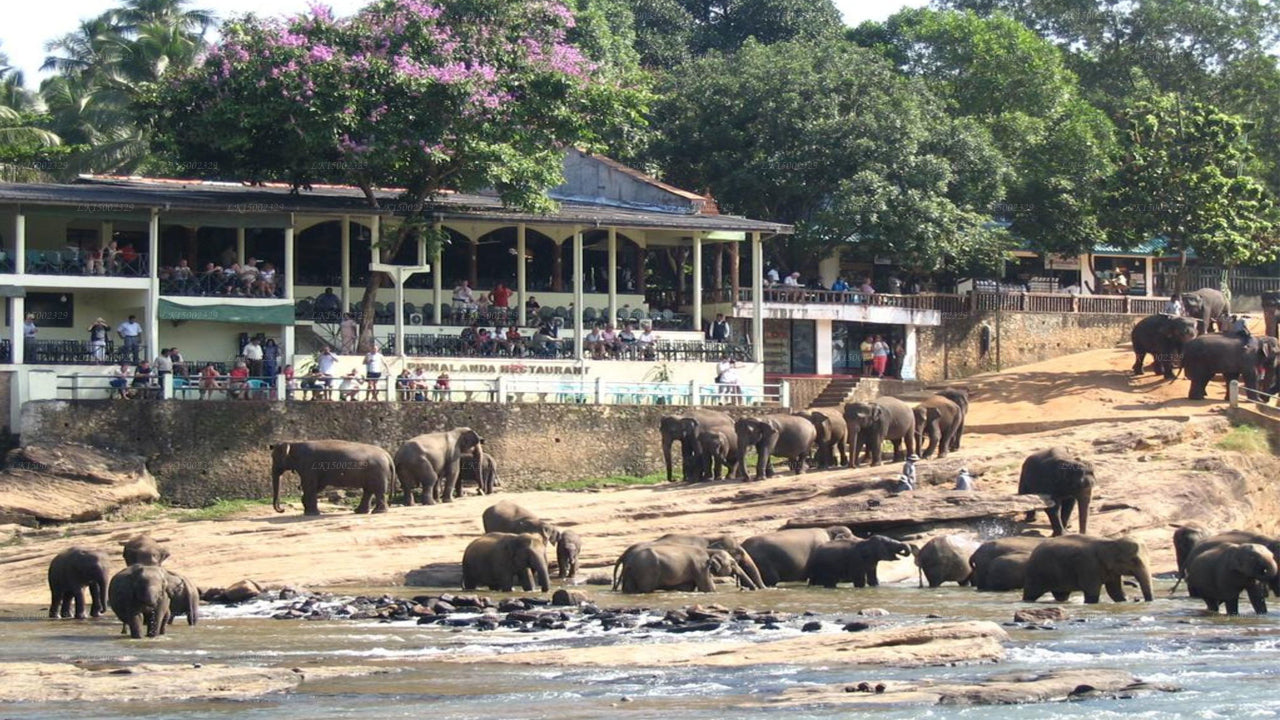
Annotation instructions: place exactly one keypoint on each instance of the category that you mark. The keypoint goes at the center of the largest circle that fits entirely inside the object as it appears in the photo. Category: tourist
(291, 384)
(163, 366)
(181, 276)
(421, 383)
(1174, 306)
(646, 341)
(543, 344)
(515, 342)
(627, 336)
(266, 285)
(131, 333)
(374, 366)
(350, 385)
(500, 296)
(120, 380)
(866, 288)
(895, 285)
(907, 479)
(899, 354)
(111, 258)
(253, 355)
(470, 338)
(404, 385)
(209, 382)
(326, 361)
(270, 360)
(238, 381)
(442, 386)
(771, 276)
(93, 265)
(720, 330)
(866, 351)
(879, 356)
(531, 308)
(592, 343)
(609, 341)
(328, 307)
(142, 379)
(463, 299)
(348, 333)
(314, 382)
(98, 340)
(179, 365)
(964, 481)
(840, 285)
(29, 331)
(729, 382)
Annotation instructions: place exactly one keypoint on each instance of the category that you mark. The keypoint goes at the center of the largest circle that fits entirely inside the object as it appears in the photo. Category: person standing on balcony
(720, 330)
(864, 349)
(500, 297)
(866, 287)
(879, 356)
(271, 359)
(131, 333)
(771, 277)
(98, 340)
(374, 367)
(895, 285)
(1174, 306)
(163, 365)
(840, 285)
(253, 357)
(328, 307)
(29, 331)
(348, 332)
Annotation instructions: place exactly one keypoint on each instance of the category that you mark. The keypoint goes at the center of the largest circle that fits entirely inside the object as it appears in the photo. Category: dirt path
(1153, 474)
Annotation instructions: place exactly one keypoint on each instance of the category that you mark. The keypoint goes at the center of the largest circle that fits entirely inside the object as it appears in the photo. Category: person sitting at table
(646, 341)
(349, 388)
(542, 344)
(238, 383)
(609, 341)
(404, 385)
(514, 342)
(442, 386)
(592, 343)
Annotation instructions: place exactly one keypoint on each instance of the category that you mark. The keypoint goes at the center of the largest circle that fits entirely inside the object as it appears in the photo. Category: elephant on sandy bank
(1064, 478)
(718, 453)
(499, 561)
(728, 543)
(1062, 565)
(1234, 358)
(1220, 573)
(870, 424)
(786, 436)
(959, 396)
(433, 462)
(783, 556)
(486, 476)
(1162, 337)
(1001, 565)
(508, 517)
(333, 463)
(139, 597)
(70, 572)
(184, 597)
(144, 550)
(1209, 306)
(832, 435)
(937, 419)
(676, 567)
(946, 558)
(685, 428)
(853, 560)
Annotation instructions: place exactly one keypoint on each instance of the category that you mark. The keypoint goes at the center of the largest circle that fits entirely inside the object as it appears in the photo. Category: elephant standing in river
(786, 436)
(1001, 565)
(1162, 337)
(685, 428)
(333, 463)
(676, 567)
(870, 424)
(832, 435)
(946, 558)
(1064, 478)
(1062, 565)
(853, 560)
(783, 556)
(70, 572)
(1192, 539)
(144, 550)
(728, 543)
(433, 462)
(139, 596)
(1253, 361)
(1220, 573)
(501, 560)
(1209, 306)
(184, 597)
(568, 547)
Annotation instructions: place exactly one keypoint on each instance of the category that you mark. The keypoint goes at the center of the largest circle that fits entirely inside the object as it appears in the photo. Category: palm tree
(20, 136)
(170, 13)
(93, 47)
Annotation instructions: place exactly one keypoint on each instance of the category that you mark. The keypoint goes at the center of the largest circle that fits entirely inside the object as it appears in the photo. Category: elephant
(143, 550)
(568, 547)
(1162, 337)
(1062, 565)
(676, 567)
(1234, 358)
(783, 556)
(786, 436)
(852, 560)
(433, 461)
(333, 463)
(728, 543)
(959, 396)
(938, 419)
(1209, 306)
(718, 456)
(946, 558)
(1192, 539)
(1065, 479)
(499, 560)
(1219, 574)
(184, 597)
(1000, 565)
(1271, 312)
(138, 596)
(685, 428)
(508, 517)
(872, 423)
(833, 435)
(486, 479)
(70, 572)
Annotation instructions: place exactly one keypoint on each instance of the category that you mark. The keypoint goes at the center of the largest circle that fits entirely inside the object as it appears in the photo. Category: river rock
(1040, 615)
(812, 626)
(66, 482)
(568, 597)
(511, 606)
(241, 591)
(873, 612)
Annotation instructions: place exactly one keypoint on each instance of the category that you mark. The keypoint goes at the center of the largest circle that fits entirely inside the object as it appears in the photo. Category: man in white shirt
(373, 369)
(325, 363)
(131, 332)
(163, 365)
(253, 357)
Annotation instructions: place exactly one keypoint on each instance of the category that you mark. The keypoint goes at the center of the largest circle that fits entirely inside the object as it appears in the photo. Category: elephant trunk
(666, 454)
(1143, 576)
(752, 572)
(540, 569)
(745, 579)
(275, 489)
(1082, 503)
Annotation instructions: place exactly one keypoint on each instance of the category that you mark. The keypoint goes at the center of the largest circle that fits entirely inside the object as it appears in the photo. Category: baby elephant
(853, 560)
(184, 597)
(1219, 574)
(717, 454)
(946, 557)
(567, 550)
(138, 596)
(69, 572)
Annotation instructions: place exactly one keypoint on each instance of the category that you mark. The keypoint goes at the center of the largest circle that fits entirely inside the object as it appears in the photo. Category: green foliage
(1180, 178)
(597, 484)
(669, 32)
(1246, 438)
(222, 509)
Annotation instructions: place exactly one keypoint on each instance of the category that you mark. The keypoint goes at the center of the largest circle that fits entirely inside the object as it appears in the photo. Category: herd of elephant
(712, 442)
(144, 595)
(1217, 568)
(1186, 340)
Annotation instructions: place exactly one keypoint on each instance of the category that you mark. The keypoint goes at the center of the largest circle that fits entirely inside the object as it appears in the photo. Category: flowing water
(1227, 667)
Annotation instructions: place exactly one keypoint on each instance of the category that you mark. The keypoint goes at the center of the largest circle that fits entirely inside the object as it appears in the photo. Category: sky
(29, 25)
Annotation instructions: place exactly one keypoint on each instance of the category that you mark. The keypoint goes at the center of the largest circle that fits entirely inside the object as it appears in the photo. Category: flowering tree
(421, 95)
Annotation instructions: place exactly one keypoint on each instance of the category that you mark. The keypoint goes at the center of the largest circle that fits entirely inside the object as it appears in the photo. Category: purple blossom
(322, 12)
(291, 39)
(321, 53)
(562, 12)
(424, 10)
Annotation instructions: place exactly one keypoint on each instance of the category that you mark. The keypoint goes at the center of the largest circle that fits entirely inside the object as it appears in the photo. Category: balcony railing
(78, 352)
(1194, 278)
(959, 305)
(663, 350)
(78, 262)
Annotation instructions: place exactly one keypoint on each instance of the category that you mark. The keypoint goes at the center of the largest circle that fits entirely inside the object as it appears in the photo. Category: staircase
(836, 393)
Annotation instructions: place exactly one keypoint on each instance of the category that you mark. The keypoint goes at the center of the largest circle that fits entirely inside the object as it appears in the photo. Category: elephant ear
(1267, 348)
(877, 413)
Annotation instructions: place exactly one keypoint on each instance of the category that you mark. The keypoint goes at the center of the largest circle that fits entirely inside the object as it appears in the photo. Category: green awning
(245, 314)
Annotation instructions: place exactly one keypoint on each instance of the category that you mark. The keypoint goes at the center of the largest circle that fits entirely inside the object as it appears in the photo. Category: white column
(17, 316)
(153, 286)
(19, 244)
(289, 349)
(240, 258)
(823, 351)
(910, 358)
(613, 275)
(437, 281)
(578, 332)
(398, 279)
(290, 271)
(1150, 263)
(522, 282)
(346, 263)
(757, 298)
(106, 231)
(697, 282)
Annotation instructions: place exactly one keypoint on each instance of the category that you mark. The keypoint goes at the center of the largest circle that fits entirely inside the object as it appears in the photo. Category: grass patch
(222, 509)
(1246, 438)
(595, 484)
(141, 512)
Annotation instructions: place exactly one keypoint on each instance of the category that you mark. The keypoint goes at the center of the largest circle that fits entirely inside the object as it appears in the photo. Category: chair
(546, 313)
(561, 312)
(409, 310)
(637, 314)
(590, 315)
(428, 313)
(37, 262)
(304, 309)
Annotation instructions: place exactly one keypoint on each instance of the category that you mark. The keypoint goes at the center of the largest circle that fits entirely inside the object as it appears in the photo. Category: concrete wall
(953, 350)
(201, 452)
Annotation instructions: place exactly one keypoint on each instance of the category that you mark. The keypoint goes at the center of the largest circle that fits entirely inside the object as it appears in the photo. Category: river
(1227, 667)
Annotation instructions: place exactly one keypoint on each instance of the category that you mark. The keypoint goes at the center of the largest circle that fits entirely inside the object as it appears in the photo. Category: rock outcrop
(44, 483)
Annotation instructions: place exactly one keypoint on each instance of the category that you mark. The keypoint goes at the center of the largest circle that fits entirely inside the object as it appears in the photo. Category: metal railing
(421, 345)
(221, 285)
(951, 306)
(79, 262)
(78, 352)
(1194, 278)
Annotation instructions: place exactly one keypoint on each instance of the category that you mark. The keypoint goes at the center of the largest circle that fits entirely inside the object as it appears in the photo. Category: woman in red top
(239, 381)
(500, 296)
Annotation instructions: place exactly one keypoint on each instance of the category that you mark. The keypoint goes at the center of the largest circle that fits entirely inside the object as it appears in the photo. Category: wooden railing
(1194, 278)
(958, 305)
